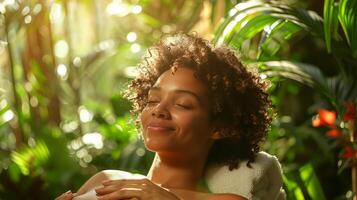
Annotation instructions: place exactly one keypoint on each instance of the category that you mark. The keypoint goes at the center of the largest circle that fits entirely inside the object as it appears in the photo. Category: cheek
(195, 124)
(144, 117)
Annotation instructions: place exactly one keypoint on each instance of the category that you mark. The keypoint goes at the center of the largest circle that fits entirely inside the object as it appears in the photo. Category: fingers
(114, 187)
(126, 181)
(65, 196)
(125, 193)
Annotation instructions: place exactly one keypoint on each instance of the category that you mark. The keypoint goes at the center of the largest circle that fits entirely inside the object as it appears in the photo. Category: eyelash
(183, 106)
(177, 104)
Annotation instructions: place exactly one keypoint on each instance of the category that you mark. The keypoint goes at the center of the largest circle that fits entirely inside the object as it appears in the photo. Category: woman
(198, 105)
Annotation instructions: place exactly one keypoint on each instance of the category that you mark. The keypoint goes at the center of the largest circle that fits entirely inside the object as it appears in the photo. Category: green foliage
(63, 68)
(64, 65)
(270, 36)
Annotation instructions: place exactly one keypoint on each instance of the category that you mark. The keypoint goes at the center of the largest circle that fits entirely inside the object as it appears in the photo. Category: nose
(160, 112)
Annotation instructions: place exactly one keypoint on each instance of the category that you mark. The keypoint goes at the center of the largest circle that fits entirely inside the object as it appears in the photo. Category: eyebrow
(180, 91)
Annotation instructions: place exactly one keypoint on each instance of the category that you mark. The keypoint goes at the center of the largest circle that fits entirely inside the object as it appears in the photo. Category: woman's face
(176, 118)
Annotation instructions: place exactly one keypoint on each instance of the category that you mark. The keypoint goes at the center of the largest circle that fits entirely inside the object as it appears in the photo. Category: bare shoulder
(97, 179)
(225, 197)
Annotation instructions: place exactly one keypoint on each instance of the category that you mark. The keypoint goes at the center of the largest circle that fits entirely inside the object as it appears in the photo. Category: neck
(177, 173)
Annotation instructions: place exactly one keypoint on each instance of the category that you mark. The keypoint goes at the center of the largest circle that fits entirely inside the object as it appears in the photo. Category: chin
(158, 146)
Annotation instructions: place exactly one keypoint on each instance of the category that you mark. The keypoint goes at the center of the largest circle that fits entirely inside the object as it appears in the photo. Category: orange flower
(350, 113)
(324, 118)
(334, 133)
(349, 152)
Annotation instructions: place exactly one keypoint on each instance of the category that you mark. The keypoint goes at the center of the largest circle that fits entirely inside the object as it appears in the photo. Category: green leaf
(250, 29)
(328, 20)
(14, 172)
(250, 18)
(301, 72)
(293, 189)
(151, 21)
(311, 182)
(30, 157)
(347, 16)
(121, 106)
(275, 36)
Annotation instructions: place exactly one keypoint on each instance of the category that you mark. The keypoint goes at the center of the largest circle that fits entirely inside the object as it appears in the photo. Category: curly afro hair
(241, 105)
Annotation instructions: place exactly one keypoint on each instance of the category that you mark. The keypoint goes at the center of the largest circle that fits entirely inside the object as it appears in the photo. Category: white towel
(262, 181)
(112, 175)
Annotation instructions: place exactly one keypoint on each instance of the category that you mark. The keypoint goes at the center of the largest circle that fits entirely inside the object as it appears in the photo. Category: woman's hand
(66, 196)
(142, 189)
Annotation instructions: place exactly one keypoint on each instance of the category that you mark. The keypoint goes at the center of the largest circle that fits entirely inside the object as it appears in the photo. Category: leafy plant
(269, 36)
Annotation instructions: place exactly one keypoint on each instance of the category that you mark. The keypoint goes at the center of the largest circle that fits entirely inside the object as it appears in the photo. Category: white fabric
(113, 175)
(262, 181)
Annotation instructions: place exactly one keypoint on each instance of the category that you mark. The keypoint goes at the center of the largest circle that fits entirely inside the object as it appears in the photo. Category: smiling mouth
(160, 128)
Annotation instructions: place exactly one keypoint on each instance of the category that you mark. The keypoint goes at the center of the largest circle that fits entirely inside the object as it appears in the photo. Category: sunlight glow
(136, 9)
(33, 101)
(131, 72)
(76, 144)
(131, 37)
(88, 158)
(118, 8)
(84, 114)
(69, 127)
(140, 152)
(56, 14)
(61, 70)
(25, 11)
(77, 61)
(8, 115)
(135, 48)
(3, 103)
(9, 2)
(37, 9)
(94, 139)
(28, 19)
(61, 49)
(81, 153)
(2, 9)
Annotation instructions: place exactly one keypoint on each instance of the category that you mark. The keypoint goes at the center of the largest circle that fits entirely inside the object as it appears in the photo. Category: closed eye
(183, 106)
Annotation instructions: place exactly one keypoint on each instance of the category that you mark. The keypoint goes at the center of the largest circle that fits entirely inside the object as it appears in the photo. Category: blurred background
(64, 65)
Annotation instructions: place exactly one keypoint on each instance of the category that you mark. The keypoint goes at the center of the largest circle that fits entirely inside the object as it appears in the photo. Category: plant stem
(18, 131)
(351, 128)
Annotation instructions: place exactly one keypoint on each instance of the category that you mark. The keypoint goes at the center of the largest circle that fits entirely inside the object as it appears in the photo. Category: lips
(160, 126)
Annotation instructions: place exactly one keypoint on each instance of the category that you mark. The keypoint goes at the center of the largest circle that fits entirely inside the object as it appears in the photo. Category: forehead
(182, 79)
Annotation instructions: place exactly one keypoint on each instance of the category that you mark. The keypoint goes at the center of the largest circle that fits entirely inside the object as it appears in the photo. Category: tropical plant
(299, 45)
(63, 65)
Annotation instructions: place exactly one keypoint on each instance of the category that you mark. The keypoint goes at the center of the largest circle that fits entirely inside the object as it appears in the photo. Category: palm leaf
(31, 157)
(248, 19)
(347, 15)
(337, 89)
(292, 187)
(330, 22)
(301, 72)
(274, 37)
(311, 182)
